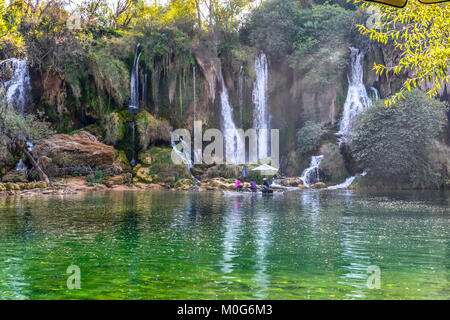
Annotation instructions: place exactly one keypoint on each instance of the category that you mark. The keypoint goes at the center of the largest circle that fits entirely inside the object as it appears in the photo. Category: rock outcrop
(65, 154)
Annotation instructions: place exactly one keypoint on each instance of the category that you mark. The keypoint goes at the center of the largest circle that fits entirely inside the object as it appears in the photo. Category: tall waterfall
(232, 141)
(134, 83)
(134, 100)
(357, 97)
(195, 93)
(357, 101)
(311, 174)
(18, 88)
(261, 113)
(241, 93)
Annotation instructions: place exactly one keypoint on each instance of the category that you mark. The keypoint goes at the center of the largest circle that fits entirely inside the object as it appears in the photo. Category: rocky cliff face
(63, 154)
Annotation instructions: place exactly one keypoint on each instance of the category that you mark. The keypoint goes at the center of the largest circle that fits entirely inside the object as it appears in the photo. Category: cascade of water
(156, 88)
(134, 100)
(311, 174)
(144, 89)
(18, 88)
(343, 185)
(21, 166)
(375, 93)
(261, 115)
(357, 99)
(229, 129)
(184, 157)
(134, 82)
(195, 94)
(241, 93)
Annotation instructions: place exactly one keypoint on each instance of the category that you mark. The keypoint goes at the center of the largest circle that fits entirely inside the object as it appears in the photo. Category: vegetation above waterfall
(422, 34)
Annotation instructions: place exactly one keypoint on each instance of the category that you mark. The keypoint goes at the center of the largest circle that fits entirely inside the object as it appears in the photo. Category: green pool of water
(169, 245)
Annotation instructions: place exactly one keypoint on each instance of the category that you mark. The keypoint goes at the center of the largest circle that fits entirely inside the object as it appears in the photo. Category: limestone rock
(318, 185)
(70, 153)
(291, 182)
(118, 180)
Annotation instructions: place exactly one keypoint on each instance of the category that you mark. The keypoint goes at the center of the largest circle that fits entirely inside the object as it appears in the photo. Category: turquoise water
(170, 245)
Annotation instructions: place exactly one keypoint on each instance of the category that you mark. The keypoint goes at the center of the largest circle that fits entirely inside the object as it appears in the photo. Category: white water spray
(18, 88)
(357, 99)
(229, 129)
(134, 100)
(261, 113)
(134, 82)
(186, 159)
(311, 175)
(343, 185)
(241, 92)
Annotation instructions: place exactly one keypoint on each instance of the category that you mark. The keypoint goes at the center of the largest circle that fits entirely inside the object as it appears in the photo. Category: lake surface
(172, 245)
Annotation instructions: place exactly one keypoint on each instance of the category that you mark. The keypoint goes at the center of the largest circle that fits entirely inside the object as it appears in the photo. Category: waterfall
(376, 94)
(18, 88)
(357, 99)
(195, 95)
(311, 175)
(261, 114)
(184, 157)
(18, 93)
(144, 89)
(343, 185)
(134, 100)
(134, 82)
(156, 88)
(232, 141)
(241, 93)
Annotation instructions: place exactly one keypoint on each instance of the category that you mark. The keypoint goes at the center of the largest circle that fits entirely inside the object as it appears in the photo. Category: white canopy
(266, 169)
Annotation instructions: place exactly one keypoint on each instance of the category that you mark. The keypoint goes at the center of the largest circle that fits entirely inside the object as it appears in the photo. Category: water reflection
(168, 245)
(232, 225)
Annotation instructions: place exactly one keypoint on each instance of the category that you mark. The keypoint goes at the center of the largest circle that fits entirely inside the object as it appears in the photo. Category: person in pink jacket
(238, 186)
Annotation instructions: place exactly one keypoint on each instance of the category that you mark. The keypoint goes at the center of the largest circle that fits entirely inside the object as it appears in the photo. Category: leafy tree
(391, 143)
(308, 137)
(421, 32)
(10, 36)
(17, 129)
(283, 28)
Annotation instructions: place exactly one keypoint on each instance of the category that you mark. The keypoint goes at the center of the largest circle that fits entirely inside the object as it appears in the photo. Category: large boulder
(291, 182)
(74, 154)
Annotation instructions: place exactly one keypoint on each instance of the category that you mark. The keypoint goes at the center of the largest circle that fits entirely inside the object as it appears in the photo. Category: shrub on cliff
(391, 143)
(114, 126)
(152, 130)
(308, 137)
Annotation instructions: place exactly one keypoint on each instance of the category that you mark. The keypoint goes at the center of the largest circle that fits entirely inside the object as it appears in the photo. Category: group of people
(238, 186)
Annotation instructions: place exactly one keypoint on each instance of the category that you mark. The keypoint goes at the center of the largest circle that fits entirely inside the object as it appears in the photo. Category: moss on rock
(161, 169)
(151, 130)
(332, 166)
(115, 127)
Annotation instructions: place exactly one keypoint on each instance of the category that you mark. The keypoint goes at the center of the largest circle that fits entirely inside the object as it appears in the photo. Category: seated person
(253, 186)
(238, 186)
(266, 185)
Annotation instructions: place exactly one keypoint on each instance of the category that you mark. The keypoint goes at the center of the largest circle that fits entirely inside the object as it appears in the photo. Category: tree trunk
(42, 175)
